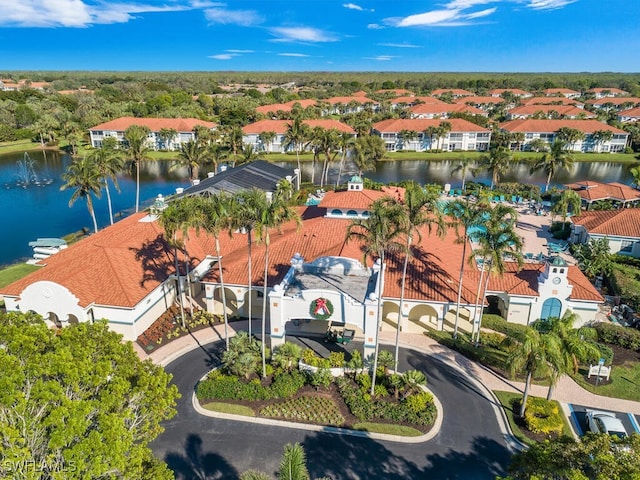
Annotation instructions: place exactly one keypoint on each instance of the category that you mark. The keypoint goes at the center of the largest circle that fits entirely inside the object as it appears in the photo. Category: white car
(605, 422)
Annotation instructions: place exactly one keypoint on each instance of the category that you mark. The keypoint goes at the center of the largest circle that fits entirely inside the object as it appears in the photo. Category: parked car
(605, 422)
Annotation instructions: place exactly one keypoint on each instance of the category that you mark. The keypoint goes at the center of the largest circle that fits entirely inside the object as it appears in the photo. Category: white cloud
(481, 13)
(374, 26)
(244, 18)
(223, 56)
(548, 4)
(398, 45)
(239, 51)
(301, 34)
(381, 58)
(79, 13)
(293, 55)
(353, 6)
(429, 18)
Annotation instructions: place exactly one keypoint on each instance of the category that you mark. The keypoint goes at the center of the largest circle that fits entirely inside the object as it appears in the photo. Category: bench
(599, 370)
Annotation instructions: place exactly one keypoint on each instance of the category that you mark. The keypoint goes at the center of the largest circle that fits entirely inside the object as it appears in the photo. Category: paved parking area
(578, 419)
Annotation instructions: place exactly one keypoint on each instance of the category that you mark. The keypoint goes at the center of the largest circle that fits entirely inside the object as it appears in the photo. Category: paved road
(470, 444)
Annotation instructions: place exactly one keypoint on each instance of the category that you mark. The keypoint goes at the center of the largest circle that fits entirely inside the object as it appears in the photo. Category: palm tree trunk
(464, 257)
(546, 187)
(186, 269)
(92, 212)
(402, 285)
(525, 396)
(378, 315)
(179, 283)
(264, 304)
(137, 185)
(250, 279)
(224, 296)
(298, 160)
(340, 168)
(484, 295)
(106, 188)
(313, 169)
(550, 391)
(476, 305)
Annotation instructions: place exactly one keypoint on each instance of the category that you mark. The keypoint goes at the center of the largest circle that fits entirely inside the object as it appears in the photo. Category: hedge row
(218, 386)
(499, 324)
(618, 335)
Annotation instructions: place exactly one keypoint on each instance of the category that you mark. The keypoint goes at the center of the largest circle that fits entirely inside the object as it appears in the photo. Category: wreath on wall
(321, 308)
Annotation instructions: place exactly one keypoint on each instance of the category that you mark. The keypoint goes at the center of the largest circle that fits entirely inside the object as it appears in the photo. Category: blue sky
(321, 35)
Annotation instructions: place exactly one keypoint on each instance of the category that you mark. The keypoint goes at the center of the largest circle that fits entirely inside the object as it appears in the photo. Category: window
(551, 307)
(626, 246)
(336, 211)
(352, 213)
(528, 136)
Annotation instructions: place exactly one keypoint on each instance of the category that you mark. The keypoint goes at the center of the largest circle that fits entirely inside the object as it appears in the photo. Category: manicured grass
(18, 146)
(506, 399)
(306, 409)
(625, 382)
(15, 272)
(387, 428)
(229, 408)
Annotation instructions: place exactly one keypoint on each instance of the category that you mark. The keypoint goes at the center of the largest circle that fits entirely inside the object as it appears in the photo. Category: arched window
(555, 270)
(551, 308)
(336, 211)
(352, 213)
(562, 270)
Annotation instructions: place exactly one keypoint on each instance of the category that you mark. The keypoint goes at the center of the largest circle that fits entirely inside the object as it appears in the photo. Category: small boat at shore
(43, 248)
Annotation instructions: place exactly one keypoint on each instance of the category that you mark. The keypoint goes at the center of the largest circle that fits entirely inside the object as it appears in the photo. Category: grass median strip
(387, 428)
(229, 408)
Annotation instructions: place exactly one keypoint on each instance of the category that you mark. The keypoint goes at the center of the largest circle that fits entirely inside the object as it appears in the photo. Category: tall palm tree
(109, 163)
(166, 135)
(531, 355)
(551, 162)
(464, 166)
(135, 137)
(466, 216)
(296, 136)
(379, 234)
(635, 172)
(417, 209)
(576, 344)
(406, 136)
(496, 162)
(569, 136)
(271, 214)
(326, 141)
(192, 155)
(366, 152)
(568, 199)
(84, 177)
(249, 154)
(234, 141)
(266, 139)
(430, 132)
(497, 241)
(346, 143)
(443, 129)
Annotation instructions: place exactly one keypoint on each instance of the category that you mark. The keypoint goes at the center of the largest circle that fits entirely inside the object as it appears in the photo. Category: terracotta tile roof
(476, 100)
(415, 100)
(360, 93)
(565, 110)
(444, 108)
(453, 91)
(632, 112)
(420, 124)
(592, 191)
(549, 101)
(360, 200)
(154, 124)
(515, 91)
(550, 126)
(280, 126)
(285, 107)
(624, 222)
(397, 91)
(346, 100)
(561, 91)
(615, 101)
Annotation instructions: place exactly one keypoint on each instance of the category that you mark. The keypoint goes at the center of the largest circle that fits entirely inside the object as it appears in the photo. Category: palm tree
(568, 199)
(497, 241)
(430, 132)
(635, 171)
(294, 464)
(418, 208)
(326, 141)
(234, 141)
(601, 136)
(497, 162)
(266, 139)
(166, 135)
(366, 152)
(378, 234)
(137, 150)
(286, 356)
(271, 214)
(577, 345)
(464, 166)
(531, 355)
(569, 136)
(296, 136)
(109, 163)
(442, 130)
(217, 218)
(556, 159)
(406, 136)
(467, 216)
(191, 156)
(84, 177)
(346, 143)
(249, 154)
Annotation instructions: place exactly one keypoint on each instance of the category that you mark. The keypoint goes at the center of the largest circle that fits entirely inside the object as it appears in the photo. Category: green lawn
(18, 146)
(15, 272)
(506, 399)
(387, 428)
(625, 382)
(229, 408)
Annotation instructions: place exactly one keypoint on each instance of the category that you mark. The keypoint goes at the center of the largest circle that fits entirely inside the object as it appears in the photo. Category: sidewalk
(566, 391)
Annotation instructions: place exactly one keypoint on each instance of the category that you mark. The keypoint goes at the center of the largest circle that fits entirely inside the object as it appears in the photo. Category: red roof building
(497, 92)
(549, 111)
(549, 101)
(443, 110)
(620, 227)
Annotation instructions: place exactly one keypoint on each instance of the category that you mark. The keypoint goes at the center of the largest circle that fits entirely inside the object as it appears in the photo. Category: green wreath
(321, 308)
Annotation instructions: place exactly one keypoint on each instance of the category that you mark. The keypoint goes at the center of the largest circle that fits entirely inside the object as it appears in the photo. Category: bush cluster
(543, 416)
(499, 324)
(311, 358)
(618, 335)
(219, 386)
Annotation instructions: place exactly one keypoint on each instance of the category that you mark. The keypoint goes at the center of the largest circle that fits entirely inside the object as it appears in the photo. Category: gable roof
(561, 91)
(566, 110)
(624, 222)
(444, 108)
(453, 91)
(421, 124)
(478, 100)
(258, 174)
(614, 91)
(358, 199)
(550, 126)
(416, 100)
(592, 191)
(549, 101)
(285, 107)
(280, 126)
(632, 112)
(346, 100)
(154, 124)
(515, 91)
(615, 101)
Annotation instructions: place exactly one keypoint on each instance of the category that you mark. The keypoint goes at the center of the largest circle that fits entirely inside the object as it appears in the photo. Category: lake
(34, 211)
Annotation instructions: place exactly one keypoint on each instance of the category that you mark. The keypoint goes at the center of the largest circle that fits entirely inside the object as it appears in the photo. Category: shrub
(380, 390)
(287, 384)
(336, 359)
(499, 324)
(228, 387)
(364, 380)
(356, 362)
(310, 358)
(418, 402)
(320, 378)
(491, 339)
(542, 416)
(618, 335)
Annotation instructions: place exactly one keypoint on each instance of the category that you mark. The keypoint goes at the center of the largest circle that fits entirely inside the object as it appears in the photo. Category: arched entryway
(229, 297)
(464, 320)
(422, 317)
(72, 319)
(256, 303)
(495, 306)
(390, 315)
(552, 307)
(54, 320)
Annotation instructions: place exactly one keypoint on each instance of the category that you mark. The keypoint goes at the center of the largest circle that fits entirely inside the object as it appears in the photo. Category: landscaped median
(304, 394)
